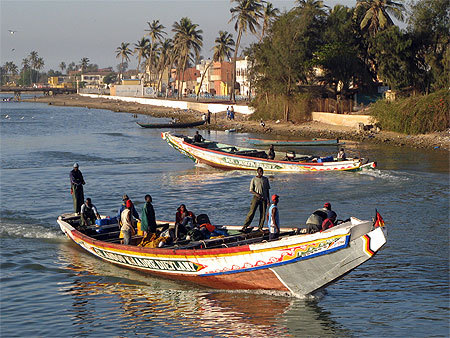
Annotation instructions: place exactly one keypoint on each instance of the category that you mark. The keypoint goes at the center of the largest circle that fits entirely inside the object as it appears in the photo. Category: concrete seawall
(201, 107)
(342, 119)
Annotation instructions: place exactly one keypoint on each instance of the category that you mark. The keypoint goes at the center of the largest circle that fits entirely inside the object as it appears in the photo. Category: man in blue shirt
(134, 213)
(273, 218)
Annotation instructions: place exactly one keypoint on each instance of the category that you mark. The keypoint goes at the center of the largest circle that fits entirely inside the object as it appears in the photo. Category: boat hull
(223, 160)
(171, 125)
(298, 264)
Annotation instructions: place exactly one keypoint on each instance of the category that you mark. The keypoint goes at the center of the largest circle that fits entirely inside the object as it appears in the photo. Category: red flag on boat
(379, 222)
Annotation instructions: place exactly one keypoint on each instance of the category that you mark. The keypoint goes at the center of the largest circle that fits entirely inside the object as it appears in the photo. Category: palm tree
(223, 47)
(39, 65)
(377, 12)
(246, 15)
(269, 15)
(33, 60)
(155, 32)
(124, 53)
(62, 66)
(187, 38)
(165, 59)
(140, 48)
(84, 63)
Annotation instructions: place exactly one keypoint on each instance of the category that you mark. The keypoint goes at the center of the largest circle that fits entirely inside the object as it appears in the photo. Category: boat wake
(26, 228)
(387, 174)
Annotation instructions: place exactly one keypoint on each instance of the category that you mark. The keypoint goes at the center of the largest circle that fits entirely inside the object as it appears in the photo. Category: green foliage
(272, 107)
(110, 78)
(396, 58)
(430, 25)
(414, 115)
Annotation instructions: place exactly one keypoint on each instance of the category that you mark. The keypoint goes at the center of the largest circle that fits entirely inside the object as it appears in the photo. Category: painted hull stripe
(273, 265)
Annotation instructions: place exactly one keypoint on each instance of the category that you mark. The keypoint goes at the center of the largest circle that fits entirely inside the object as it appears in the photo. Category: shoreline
(242, 123)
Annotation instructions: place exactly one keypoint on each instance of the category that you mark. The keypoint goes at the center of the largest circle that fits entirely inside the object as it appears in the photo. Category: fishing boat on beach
(171, 125)
(228, 156)
(296, 143)
(296, 263)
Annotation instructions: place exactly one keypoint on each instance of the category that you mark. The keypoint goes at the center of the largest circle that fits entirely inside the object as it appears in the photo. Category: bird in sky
(12, 50)
(11, 31)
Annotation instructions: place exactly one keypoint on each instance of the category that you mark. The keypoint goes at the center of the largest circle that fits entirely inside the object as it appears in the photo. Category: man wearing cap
(314, 222)
(273, 218)
(259, 187)
(134, 213)
(76, 187)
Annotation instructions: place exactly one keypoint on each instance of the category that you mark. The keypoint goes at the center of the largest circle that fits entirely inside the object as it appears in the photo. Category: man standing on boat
(273, 218)
(126, 220)
(76, 188)
(259, 187)
(148, 223)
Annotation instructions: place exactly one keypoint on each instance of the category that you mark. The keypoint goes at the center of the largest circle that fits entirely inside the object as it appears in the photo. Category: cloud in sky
(66, 30)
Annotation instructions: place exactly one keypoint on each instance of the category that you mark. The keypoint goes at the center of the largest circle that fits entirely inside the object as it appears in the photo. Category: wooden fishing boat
(298, 264)
(171, 125)
(301, 143)
(227, 156)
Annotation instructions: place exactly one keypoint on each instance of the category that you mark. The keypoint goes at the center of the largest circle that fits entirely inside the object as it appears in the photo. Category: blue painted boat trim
(268, 266)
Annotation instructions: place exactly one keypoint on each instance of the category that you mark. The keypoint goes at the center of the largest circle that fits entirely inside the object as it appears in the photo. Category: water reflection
(109, 299)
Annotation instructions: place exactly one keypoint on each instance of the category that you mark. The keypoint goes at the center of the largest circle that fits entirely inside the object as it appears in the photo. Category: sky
(67, 30)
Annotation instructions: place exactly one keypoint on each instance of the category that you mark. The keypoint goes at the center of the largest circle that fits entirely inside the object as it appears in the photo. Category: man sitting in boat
(341, 155)
(88, 213)
(317, 218)
(184, 221)
(271, 154)
(198, 138)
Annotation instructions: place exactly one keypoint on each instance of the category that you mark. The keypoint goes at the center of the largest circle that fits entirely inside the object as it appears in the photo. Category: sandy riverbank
(243, 124)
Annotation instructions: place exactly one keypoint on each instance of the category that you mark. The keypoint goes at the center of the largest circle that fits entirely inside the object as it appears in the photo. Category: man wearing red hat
(126, 219)
(314, 222)
(273, 218)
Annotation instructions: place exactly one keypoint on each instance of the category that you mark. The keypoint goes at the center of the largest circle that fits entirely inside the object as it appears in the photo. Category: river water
(51, 288)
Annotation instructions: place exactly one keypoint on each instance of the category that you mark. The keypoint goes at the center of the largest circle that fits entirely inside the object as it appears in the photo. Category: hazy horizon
(68, 30)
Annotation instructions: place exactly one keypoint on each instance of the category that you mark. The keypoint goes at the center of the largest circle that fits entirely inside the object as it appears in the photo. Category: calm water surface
(50, 288)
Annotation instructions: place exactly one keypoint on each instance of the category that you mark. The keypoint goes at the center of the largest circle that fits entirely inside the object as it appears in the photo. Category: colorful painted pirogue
(298, 264)
(233, 157)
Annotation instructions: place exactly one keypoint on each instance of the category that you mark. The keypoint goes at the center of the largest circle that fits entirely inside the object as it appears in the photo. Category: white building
(242, 76)
(206, 84)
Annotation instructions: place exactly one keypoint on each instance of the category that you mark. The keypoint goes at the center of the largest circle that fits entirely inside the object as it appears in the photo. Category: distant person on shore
(76, 187)
(148, 222)
(88, 213)
(228, 112)
(134, 213)
(232, 113)
(273, 218)
(271, 154)
(208, 118)
(126, 220)
(198, 138)
(341, 155)
(259, 187)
